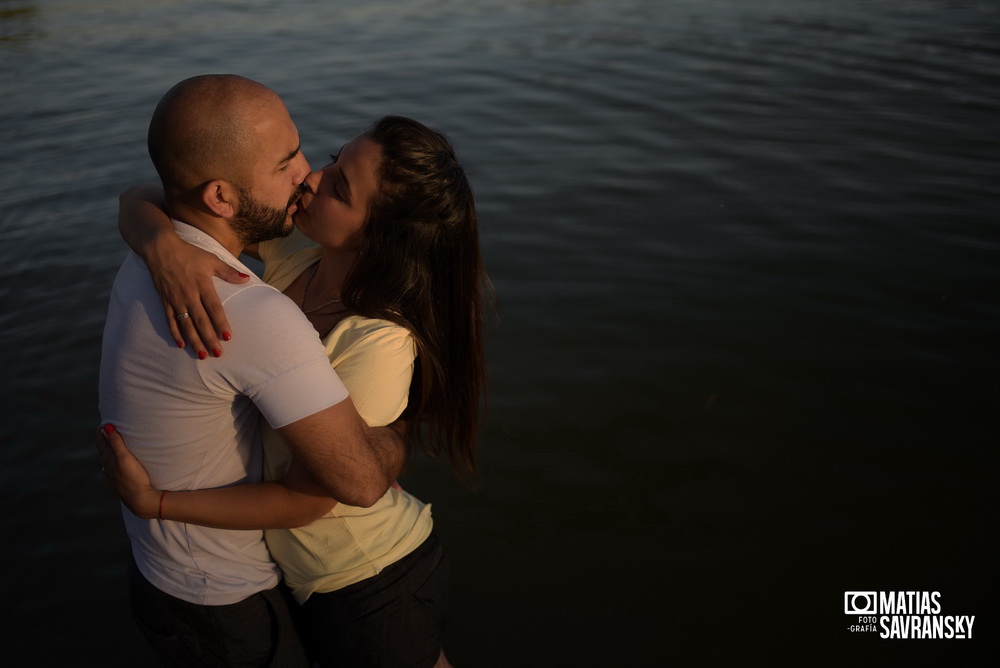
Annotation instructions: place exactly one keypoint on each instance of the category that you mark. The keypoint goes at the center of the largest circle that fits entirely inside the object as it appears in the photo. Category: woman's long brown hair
(420, 267)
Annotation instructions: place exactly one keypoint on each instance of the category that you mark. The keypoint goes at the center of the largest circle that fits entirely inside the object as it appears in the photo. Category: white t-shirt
(195, 423)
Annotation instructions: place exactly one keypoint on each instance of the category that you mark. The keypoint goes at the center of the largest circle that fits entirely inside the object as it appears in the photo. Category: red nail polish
(226, 336)
(217, 352)
(202, 355)
(180, 344)
(242, 275)
(109, 428)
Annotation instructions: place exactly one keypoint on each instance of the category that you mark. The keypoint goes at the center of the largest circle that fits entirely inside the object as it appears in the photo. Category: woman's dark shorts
(390, 620)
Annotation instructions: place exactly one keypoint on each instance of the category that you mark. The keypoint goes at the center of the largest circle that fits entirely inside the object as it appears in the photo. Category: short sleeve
(374, 359)
(277, 361)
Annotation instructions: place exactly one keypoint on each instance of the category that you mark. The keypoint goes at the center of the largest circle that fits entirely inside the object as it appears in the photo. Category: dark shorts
(391, 620)
(258, 631)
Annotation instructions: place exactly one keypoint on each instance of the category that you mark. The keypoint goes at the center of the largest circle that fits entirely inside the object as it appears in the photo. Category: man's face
(266, 206)
(256, 221)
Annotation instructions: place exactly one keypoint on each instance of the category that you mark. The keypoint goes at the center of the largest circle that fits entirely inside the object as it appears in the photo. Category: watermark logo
(860, 602)
(905, 614)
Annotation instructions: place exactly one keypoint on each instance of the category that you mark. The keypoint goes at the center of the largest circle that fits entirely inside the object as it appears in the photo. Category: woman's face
(333, 210)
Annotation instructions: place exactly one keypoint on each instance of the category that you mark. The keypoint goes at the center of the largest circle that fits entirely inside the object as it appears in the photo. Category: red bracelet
(160, 514)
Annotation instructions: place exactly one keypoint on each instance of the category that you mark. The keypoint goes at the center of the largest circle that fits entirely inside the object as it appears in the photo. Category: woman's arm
(376, 367)
(182, 273)
(294, 501)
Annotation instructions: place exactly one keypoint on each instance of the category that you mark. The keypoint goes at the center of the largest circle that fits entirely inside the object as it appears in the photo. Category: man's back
(194, 423)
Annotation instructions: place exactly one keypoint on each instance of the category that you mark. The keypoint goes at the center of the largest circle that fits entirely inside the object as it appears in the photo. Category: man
(229, 160)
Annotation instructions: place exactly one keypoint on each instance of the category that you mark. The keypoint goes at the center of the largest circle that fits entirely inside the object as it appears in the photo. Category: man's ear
(221, 198)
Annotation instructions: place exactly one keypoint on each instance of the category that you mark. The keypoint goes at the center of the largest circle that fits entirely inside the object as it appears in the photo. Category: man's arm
(355, 463)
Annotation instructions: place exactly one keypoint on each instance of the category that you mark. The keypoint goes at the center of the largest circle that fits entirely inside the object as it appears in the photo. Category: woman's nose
(312, 181)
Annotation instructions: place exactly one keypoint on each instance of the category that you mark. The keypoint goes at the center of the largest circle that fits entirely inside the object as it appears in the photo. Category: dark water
(746, 359)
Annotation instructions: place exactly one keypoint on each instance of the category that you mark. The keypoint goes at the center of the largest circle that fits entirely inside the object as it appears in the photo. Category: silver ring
(182, 316)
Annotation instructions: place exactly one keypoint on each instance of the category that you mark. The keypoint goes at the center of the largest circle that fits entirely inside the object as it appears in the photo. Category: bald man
(229, 159)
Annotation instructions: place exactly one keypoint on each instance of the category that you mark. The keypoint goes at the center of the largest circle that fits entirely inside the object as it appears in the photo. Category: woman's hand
(182, 273)
(126, 474)
(183, 277)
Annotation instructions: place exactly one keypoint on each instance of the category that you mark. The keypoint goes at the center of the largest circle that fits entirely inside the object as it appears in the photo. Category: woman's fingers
(195, 328)
(230, 274)
(111, 449)
(194, 311)
(105, 453)
(175, 331)
(202, 322)
(125, 473)
(218, 322)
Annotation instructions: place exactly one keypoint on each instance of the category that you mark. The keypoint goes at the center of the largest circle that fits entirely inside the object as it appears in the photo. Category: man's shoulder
(260, 303)
(255, 293)
(268, 316)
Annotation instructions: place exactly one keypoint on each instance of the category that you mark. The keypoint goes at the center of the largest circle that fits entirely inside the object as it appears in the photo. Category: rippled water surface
(746, 259)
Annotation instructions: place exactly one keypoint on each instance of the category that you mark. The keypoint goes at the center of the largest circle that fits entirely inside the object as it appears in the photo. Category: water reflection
(745, 254)
(17, 22)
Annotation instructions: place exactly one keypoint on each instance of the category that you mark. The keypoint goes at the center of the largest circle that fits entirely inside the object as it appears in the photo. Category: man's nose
(302, 168)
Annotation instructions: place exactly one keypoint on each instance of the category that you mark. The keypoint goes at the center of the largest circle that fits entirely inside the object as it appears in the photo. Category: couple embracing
(258, 473)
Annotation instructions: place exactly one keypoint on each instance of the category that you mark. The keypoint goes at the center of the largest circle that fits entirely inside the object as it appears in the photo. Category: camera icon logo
(860, 603)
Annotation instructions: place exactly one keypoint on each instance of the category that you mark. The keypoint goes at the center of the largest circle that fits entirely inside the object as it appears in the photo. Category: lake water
(747, 263)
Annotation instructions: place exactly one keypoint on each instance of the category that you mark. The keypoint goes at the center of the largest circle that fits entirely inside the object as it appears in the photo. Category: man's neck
(218, 228)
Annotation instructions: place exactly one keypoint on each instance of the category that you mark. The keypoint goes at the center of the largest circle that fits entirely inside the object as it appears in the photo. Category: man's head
(225, 148)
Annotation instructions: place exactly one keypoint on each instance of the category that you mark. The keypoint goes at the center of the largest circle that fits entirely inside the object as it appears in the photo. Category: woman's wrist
(160, 247)
(148, 504)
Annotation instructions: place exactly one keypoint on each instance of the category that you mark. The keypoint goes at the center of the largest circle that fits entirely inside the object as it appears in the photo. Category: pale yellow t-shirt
(374, 358)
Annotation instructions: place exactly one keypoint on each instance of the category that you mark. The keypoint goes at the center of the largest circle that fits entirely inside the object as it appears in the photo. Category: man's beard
(256, 222)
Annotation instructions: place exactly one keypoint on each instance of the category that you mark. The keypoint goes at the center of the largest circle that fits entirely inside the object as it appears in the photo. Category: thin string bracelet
(160, 514)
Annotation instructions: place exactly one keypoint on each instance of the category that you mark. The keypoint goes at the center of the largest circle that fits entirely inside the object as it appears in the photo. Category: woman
(387, 268)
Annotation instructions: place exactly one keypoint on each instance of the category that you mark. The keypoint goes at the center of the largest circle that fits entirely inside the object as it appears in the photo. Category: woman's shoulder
(358, 332)
(358, 327)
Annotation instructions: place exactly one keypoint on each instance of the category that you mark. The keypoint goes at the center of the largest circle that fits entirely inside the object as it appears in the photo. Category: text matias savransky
(905, 614)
